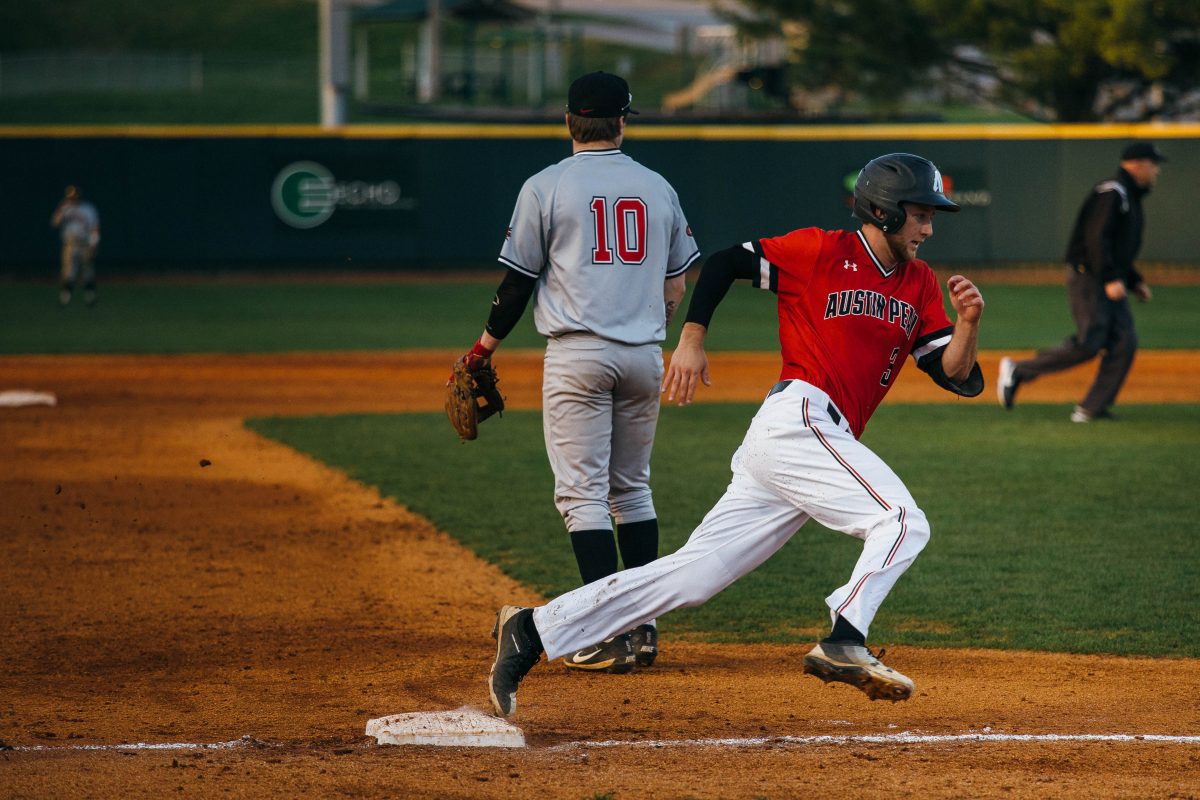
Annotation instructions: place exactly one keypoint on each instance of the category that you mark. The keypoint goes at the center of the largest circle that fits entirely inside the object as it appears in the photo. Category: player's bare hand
(966, 298)
(1115, 290)
(1143, 292)
(688, 367)
(685, 372)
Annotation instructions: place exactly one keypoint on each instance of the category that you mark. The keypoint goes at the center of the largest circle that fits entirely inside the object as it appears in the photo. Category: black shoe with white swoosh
(516, 653)
(1007, 383)
(644, 639)
(611, 655)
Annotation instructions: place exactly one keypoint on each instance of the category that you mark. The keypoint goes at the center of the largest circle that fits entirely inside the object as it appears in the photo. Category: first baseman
(601, 244)
(853, 306)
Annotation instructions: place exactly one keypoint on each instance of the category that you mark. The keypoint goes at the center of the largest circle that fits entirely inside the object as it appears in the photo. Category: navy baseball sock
(595, 553)
(845, 632)
(532, 632)
(638, 542)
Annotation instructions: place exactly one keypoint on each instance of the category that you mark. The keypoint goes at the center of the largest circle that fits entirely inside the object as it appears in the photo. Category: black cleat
(611, 655)
(644, 639)
(516, 654)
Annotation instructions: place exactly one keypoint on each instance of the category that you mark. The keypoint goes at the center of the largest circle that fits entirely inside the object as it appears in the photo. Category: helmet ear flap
(888, 220)
(873, 193)
(891, 221)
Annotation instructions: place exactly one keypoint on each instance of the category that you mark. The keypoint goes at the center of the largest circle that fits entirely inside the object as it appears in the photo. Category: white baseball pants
(795, 464)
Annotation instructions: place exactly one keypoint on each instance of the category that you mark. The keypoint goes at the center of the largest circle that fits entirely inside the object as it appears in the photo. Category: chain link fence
(51, 73)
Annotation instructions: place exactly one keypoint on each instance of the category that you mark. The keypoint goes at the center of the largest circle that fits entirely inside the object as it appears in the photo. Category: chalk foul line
(904, 737)
(245, 741)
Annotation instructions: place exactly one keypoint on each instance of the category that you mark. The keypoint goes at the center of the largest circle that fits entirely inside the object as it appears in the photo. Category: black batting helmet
(889, 181)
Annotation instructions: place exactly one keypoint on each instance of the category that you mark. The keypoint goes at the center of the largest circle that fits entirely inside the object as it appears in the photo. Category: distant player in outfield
(601, 244)
(853, 306)
(79, 225)
(1101, 274)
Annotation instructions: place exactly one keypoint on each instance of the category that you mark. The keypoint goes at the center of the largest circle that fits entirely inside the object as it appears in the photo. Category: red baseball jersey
(846, 322)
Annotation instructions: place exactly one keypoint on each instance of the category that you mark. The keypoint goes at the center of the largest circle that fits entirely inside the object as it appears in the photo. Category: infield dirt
(169, 576)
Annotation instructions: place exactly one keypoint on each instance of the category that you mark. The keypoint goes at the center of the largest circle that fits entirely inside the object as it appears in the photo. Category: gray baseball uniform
(79, 224)
(601, 234)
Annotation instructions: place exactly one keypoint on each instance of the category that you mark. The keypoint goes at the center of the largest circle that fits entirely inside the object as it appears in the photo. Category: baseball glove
(472, 396)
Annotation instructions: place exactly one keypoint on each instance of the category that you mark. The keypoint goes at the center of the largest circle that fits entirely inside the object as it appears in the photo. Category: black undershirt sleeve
(511, 298)
(717, 275)
(931, 364)
(971, 386)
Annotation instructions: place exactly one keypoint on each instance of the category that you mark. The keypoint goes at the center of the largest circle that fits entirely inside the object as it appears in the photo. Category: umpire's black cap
(598, 95)
(1146, 150)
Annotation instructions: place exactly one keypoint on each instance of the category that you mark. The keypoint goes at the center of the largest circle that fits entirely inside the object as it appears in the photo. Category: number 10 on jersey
(629, 226)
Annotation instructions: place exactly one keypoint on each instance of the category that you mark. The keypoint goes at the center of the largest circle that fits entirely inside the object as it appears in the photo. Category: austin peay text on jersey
(866, 303)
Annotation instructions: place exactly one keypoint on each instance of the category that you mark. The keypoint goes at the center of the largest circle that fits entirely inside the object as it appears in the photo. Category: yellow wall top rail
(716, 132)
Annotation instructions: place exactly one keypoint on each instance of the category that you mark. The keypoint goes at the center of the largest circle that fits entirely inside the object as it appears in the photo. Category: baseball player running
(79, 224)
(852, 307)
(601, 244)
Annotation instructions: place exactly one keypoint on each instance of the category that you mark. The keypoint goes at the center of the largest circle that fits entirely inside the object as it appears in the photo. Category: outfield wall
(422, 196)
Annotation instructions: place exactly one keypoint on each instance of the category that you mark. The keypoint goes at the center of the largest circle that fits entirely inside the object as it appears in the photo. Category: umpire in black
(1102, 274)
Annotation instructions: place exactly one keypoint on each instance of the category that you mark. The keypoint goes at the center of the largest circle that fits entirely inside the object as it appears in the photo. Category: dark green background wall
(196, 201)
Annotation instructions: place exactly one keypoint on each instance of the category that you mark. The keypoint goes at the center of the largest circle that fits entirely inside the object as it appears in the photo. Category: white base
(26, 397)
(463, 727)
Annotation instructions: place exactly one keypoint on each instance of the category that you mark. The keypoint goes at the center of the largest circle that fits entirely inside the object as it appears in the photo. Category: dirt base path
(170, 577)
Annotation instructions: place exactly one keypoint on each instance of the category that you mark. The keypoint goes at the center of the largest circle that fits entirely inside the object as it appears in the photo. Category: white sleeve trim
(764, 268)
(684, 267)
(517, 267)
(930, 346)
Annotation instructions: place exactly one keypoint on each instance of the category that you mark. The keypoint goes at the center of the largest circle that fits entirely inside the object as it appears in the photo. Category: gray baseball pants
(600, 403)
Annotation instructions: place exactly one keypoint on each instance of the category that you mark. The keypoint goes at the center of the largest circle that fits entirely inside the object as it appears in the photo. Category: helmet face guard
(887, 182)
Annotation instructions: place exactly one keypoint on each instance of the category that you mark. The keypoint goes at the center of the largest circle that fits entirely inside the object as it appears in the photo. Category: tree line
(1049, 60)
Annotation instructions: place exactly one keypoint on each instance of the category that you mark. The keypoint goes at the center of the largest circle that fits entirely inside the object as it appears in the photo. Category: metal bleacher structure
(518, 53)
(507, 55)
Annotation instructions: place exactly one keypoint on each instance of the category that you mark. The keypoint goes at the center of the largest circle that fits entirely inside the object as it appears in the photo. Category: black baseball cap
(1138, 150)
(598, 95)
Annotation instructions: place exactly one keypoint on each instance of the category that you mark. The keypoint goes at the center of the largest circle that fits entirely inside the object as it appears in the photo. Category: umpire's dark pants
(1102, 326)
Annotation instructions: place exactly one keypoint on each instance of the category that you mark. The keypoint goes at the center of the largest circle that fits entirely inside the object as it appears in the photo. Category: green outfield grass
(141, 317)
(1047, 535)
